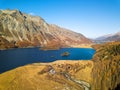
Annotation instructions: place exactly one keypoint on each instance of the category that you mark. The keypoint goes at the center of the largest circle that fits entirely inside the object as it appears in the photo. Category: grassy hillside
(50, 76)
(106, 71)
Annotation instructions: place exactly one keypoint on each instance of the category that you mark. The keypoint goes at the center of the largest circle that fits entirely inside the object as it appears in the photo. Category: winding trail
(82, 84)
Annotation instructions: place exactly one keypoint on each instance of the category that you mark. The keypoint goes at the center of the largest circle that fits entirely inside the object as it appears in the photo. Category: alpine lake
(12, 58)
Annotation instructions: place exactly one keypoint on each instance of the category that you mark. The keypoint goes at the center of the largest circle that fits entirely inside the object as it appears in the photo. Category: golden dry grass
(29, 77)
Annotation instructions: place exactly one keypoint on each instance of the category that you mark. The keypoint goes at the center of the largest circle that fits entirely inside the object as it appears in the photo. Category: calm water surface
(13, 58)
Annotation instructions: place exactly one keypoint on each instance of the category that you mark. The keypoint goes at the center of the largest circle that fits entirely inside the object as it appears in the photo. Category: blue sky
(92, 18)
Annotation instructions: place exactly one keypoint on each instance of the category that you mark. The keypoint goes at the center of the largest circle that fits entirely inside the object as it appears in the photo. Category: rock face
(21, 30)
(106, 70)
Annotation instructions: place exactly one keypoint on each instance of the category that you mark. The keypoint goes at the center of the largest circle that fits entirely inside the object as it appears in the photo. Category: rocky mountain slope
(18, 29)
(100, 73)
(108, 38)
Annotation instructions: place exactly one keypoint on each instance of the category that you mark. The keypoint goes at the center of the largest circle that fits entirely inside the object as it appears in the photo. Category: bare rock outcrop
(26, 30)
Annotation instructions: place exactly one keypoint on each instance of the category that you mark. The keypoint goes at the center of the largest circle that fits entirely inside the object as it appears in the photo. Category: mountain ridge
(109, 37)
(22, 30)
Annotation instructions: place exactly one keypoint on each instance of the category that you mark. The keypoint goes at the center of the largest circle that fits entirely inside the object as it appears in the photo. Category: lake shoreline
(21, 56)
(53, 48)
(57, 73)
(60, 62)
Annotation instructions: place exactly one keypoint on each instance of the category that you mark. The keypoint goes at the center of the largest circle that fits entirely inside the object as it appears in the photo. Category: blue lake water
(13, 58)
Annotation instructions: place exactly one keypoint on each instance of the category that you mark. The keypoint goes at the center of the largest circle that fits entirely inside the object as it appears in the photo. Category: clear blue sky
(90, 17)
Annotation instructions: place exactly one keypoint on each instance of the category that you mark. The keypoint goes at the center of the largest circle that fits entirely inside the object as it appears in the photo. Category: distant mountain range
(19, 29)
(108, 38)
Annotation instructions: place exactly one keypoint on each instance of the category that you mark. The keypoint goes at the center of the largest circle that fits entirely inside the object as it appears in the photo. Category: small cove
(13, 58)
